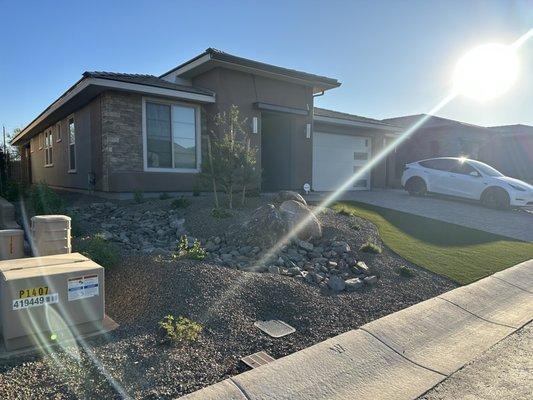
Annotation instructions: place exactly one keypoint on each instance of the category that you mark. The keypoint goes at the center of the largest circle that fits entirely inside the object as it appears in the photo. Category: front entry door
(276, 130)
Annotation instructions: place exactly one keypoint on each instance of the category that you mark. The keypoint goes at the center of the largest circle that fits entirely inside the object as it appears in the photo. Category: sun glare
(486, 71)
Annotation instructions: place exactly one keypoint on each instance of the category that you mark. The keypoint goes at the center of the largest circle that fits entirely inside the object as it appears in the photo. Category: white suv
(470, 179)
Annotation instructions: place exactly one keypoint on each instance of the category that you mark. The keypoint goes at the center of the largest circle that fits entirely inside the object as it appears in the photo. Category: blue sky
(392, 57)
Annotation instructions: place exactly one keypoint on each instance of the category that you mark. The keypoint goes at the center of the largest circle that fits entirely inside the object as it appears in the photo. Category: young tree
(231, 161)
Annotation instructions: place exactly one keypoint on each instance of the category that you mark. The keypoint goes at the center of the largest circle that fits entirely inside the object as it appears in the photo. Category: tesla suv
(465, 178)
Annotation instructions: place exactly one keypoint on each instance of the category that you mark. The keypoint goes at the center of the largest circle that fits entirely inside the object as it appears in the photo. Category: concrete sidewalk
(400, 356)
(513, 224)
(504, 372)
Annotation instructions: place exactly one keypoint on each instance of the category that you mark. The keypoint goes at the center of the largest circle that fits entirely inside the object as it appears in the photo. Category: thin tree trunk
(212, 172)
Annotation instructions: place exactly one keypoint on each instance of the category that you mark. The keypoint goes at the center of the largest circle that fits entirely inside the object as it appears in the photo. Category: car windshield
(485, 169)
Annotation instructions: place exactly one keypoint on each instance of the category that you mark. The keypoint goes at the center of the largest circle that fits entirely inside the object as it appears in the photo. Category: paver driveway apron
(513, 224)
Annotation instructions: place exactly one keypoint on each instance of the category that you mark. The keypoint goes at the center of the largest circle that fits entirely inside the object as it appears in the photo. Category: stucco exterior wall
(57, 175)
(244, 90)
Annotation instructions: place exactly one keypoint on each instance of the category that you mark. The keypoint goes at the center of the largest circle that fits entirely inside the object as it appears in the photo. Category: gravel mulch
(143, 289)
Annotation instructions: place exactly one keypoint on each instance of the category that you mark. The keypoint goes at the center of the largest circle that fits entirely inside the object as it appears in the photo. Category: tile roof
(149, 80)
(230, 58)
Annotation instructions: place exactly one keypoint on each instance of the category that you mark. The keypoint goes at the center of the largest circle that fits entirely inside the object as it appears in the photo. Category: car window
(486, 169)
(441, 164)
(462, 168)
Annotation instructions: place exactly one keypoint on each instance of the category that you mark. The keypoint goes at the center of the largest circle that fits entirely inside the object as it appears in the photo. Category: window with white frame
(48, 150)
(71, 145)
(40, 141)
(32, 145)
(58, 132)
(171, 136)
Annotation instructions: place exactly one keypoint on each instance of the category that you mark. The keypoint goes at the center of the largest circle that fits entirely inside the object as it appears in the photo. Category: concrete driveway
(513, 224)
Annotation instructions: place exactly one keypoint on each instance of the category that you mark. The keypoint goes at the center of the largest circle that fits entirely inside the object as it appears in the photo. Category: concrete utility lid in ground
(275, 328)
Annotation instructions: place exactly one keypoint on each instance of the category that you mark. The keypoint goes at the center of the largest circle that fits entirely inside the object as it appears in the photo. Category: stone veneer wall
(122, 146)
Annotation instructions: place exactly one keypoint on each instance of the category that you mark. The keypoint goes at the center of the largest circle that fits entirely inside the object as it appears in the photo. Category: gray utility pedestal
(45, 300)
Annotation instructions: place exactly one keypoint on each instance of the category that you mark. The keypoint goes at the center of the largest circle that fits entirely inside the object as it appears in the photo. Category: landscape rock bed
(227, 301)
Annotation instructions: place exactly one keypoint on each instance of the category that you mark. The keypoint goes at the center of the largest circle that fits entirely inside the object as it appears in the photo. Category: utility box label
(82, 287)
(36, 301)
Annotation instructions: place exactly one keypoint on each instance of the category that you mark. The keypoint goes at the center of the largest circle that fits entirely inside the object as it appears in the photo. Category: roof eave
(207, 61)
(359, 124)
(100, 85)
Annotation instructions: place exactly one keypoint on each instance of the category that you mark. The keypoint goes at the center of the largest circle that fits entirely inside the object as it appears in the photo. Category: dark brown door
(276, 131)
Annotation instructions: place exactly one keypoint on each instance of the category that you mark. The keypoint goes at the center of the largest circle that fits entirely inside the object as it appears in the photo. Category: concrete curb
(401, 355)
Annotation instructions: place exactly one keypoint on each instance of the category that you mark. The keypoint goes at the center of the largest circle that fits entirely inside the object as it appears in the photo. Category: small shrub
(406, 272)
(181, 202)
(13, 191)
(369, 247)
(181, 330)
(101, 251)
(138, 196)
(355, 227)
(196, 190)
(164, 196)
(45, 201)
(195, 252)
(345, 212)
(75, 226)
(221, 213)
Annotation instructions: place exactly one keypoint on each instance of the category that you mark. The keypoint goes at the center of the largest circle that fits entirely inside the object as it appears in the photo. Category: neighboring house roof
(143, 79)
(517, 129)
(432, 122)
(93, 83)
(212, 58)
(330, 116)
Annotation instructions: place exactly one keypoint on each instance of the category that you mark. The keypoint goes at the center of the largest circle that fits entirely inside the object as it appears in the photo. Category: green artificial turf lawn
(462, 254)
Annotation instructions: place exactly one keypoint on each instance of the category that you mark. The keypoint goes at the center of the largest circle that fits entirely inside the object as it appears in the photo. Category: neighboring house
(511, 151)
(116, 133)
(437, 137)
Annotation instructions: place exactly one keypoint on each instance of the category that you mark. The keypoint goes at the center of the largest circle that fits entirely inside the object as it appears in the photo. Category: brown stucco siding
(244, 90)
(57, 175)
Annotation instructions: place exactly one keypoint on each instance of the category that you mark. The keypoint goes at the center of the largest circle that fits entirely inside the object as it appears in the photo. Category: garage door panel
(336, 158)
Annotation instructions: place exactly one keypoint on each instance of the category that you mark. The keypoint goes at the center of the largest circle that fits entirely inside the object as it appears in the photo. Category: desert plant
(355, 227)
(344, 212)
(181, 330)
(194, 252)
(196, 190)
(45, 201)
(138, 196)
(221, 213)
(181, 202)
(164, 196)
(101, 251)
(231, 162)
(369, 247)
(406, 272)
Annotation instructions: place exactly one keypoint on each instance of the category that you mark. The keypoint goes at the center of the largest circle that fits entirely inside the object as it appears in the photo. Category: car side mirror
(475, 174)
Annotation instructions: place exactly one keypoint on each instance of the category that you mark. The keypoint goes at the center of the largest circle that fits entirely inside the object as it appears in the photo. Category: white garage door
(336, 158)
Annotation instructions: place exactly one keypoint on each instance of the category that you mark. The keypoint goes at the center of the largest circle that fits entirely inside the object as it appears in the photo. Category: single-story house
(115, 133)
(507, 148)
(511, 151)
(436, 137)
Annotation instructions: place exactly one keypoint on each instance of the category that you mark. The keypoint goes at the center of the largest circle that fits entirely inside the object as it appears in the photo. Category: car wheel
(416, 187)
(496, 198)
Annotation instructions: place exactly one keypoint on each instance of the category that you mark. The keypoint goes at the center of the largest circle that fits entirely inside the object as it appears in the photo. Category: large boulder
(298, 215)
(264, 228)
(285, 195)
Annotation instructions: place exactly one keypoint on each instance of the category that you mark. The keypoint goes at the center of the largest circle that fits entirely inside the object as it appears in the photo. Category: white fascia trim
(339, 121)
(153, 90)
(133, 87)
(187, 67)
